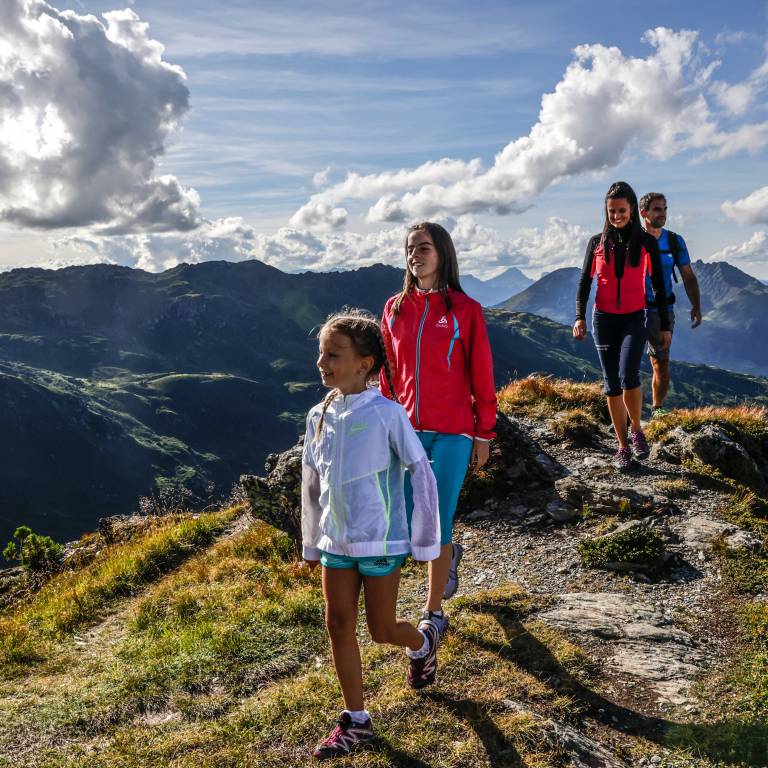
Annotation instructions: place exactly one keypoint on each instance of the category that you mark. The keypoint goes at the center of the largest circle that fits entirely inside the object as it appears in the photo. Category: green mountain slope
(114, 381)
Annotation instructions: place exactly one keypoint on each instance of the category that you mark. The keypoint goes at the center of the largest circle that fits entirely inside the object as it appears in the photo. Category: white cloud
(752, 209)
(605, 103)
(321, 208)
(86, 106)
(482, 251)
(752, 252)
(737, 98)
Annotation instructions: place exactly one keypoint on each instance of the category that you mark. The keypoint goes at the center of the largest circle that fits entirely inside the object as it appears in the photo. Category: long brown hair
(362, 329)
(622, 190)
(447, 269)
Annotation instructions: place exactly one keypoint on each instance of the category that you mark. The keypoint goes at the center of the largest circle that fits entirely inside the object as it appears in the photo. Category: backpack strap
(674, 249)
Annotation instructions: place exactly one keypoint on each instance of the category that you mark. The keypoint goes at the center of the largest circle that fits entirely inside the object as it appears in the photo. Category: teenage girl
(621, 256)
(443, 370)
(353, 514)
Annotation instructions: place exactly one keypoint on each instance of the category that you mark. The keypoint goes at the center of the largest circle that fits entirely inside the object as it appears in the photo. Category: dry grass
(749, 420)
(544, 396)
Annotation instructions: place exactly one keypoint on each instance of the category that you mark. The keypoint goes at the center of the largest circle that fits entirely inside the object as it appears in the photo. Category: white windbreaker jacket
(352, 500)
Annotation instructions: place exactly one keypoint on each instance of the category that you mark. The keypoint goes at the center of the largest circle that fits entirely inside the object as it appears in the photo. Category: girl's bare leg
(341, 589)
(380, 612)
(633, 402)
(438, 577)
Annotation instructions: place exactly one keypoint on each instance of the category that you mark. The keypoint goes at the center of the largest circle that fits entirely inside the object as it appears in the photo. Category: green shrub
(640, 547)
(32, 551)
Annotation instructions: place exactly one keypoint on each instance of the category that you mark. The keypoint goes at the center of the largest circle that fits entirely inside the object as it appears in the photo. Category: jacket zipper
(418, 358)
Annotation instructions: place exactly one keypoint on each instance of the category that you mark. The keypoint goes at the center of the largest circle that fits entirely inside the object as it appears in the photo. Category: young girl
(353, 514)
(621, 256)
(442, 368)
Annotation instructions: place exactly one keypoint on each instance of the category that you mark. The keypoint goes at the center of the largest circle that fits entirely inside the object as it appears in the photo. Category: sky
(309, 135)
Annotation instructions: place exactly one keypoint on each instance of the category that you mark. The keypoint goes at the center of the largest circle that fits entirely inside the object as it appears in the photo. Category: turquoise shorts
(449, 456)
(367, 566)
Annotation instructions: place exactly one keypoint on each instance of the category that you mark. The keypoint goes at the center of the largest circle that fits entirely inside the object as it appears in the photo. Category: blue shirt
(667, 262)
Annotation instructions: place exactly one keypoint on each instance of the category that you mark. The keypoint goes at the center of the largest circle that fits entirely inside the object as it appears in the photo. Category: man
(674, 256)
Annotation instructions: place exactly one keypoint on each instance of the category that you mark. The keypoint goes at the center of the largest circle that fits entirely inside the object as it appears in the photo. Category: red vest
(620, 296)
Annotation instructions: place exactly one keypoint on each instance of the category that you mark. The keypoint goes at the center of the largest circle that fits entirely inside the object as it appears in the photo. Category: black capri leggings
(620, 340)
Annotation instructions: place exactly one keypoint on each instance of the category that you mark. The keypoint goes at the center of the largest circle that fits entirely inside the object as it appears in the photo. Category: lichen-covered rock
(700, 532)
(516, 464)
(276, 498)
(603, 497)
(712, 445)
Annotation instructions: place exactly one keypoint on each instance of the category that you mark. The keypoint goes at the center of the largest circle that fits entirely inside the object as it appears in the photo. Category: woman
(621, 256)
(443, 372)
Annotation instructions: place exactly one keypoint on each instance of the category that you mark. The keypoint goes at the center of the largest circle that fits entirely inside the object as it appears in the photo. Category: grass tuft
(544, 396)
(736, 421)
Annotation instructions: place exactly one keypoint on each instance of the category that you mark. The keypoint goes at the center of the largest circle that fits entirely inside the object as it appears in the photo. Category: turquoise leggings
(450, 456)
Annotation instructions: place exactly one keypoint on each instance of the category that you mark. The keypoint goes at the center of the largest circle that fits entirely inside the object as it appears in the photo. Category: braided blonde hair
(362, 329)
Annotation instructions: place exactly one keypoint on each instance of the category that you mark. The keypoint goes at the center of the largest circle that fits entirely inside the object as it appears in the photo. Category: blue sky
(284, 100)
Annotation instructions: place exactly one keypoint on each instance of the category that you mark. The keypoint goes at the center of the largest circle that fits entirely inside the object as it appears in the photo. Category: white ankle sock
(422, 652)
(359, 716)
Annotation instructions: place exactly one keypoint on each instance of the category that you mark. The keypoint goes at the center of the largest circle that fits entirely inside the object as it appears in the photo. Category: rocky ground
(651, 631)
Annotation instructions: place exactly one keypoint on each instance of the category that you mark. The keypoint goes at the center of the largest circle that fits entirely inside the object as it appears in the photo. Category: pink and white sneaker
(345, 738)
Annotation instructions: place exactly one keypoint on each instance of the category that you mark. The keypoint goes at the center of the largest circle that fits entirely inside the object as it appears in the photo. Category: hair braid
(329, 398)
(385, 365)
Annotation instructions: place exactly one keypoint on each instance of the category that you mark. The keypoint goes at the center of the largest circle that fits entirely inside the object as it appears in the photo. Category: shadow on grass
(500, 750)
(730, 741)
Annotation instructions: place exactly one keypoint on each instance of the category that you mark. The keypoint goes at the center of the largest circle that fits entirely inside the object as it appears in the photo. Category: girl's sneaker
(453, 575)
(639, 444)
(345, 737)
(421, 672)
(623, 459)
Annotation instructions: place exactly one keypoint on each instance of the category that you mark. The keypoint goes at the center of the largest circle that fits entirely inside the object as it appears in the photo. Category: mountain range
(489, 292)
(116, 382)
(734, 305)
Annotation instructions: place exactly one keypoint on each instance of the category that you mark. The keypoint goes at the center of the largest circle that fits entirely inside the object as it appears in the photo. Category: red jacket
(441, 363)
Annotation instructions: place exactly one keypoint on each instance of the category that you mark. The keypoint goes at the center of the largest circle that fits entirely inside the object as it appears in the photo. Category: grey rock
(561, 513)
(276, 498)
(604, 497)
(711, 445)
(583, 752)
(643, 642)
(699, 532)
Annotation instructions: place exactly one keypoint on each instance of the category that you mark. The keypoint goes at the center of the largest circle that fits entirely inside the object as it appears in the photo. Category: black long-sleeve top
(620, 255)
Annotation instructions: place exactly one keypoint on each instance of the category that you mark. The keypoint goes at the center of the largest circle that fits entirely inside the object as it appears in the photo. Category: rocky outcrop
(642, 641)
(700, 532)
(712, 445)
(276, 498)
(582, 751)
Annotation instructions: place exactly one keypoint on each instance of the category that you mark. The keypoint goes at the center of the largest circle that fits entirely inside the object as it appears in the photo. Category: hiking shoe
(658, 412)
(623, 459)
(421, 672)
(639, 445)
(453, 575)
(345, 737)
(441, 622)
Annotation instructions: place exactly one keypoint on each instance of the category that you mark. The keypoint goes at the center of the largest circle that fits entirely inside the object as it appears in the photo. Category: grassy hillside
(201, 643)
